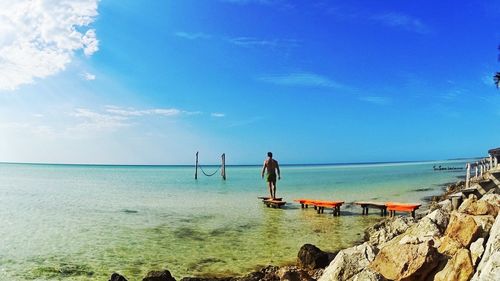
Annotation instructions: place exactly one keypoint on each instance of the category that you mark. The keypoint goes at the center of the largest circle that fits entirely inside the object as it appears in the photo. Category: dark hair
(270, 154)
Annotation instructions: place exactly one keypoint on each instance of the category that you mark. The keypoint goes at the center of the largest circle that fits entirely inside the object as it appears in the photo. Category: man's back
(271, 165)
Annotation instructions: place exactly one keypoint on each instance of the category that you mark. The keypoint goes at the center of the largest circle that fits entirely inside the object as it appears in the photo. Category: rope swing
(222, 168)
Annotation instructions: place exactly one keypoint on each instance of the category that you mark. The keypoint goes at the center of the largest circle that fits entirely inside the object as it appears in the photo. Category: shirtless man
(272, 167)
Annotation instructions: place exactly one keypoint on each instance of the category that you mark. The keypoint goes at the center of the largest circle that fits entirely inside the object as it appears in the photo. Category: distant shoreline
(240, 165)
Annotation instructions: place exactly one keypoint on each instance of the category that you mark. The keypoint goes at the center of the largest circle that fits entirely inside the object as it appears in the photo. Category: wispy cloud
(401, 20)
(242, 2)
(39, 39)
(218, 114)
(92, 120)
(378, 100)
(192, 36)
(256, 42)
(88, 76)
(302, 79)
(153, 111)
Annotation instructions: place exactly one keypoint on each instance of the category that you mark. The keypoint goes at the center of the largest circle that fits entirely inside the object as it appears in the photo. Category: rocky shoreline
(442, 243)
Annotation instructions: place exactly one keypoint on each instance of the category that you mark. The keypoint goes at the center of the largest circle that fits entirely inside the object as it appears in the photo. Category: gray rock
(348, 263)
(387, 229)
(489, 266)
(476, 250)
(446, 205)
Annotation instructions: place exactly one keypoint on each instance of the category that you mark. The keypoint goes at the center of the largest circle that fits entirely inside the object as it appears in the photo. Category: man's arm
(263, 169)
(278, 169)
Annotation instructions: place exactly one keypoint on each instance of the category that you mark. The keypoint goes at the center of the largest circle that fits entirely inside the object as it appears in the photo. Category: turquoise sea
(83, 222)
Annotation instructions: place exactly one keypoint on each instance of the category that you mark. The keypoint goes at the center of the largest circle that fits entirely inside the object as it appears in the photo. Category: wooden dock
(366, 205)
(320, 205)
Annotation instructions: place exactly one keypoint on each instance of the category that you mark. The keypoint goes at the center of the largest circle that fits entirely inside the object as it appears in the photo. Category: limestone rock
(439, 217)
(485, 223)
(312, 257)
(493, 199)
(446, 205)
(117, 277)
(387, 229)
(476, 250)
(490, 270)
(449, 246)
(159, 276)
(463, 228)
(490, 261)
(406, 261)
(458, 268)
(478, 207)
(348, 263)
(366, 275)
(293, 273)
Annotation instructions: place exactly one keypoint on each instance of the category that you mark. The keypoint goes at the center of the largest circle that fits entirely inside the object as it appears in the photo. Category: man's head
(270, 154)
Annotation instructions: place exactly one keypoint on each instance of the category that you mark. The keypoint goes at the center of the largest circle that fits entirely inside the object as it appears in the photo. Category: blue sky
(152, 82)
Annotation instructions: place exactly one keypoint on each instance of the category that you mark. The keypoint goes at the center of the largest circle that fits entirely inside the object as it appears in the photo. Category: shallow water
(77, 222)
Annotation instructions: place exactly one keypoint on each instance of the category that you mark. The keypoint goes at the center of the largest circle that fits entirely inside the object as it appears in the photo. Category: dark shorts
(271, 177)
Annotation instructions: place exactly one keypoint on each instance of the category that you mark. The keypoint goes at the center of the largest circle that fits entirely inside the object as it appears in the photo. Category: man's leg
(274, 189)
(270, 189)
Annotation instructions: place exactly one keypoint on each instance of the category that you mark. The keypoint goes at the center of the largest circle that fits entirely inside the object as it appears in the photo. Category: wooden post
(475, 169)
(495, 162)
(467, 175)
(223, 170)
(196, 167)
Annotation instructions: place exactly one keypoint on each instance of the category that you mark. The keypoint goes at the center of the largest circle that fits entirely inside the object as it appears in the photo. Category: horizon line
(239, 165)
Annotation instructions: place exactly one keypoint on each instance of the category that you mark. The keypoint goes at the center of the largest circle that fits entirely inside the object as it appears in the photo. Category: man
(272, 168)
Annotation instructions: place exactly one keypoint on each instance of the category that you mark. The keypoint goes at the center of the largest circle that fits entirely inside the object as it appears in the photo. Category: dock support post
(196, 167)
(467, 175)
(223, 170)
(475, 168)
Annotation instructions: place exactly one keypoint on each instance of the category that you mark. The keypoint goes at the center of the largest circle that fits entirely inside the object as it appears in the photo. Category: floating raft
(274, 203)
(320, 205)
(268, 198)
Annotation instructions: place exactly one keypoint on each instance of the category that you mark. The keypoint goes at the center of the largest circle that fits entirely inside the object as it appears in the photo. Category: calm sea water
(72, 222)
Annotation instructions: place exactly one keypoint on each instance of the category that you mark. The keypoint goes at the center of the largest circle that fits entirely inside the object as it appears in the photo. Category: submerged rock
(311, 257)
(117, 277)
(293, 273)
(349, 262)
(159, 276)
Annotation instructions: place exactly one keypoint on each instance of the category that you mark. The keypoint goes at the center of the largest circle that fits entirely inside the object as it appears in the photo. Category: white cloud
(99, 121)
(255, 42)
(218, 114)
(376, 100)
(39, 38)
(402, 21)
(154, 111)
(303, 79)
(192, 36)
(88, 76)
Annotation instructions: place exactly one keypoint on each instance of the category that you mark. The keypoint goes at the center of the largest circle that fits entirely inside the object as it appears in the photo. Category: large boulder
(449, 246)
(463, 228)
(475, 207)
(476, 250)
(117, 277)
(348, 263)
(387, 229)
(159, 276)
(458, 268)
(410, 261)
(311, 257)
(489, 266)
